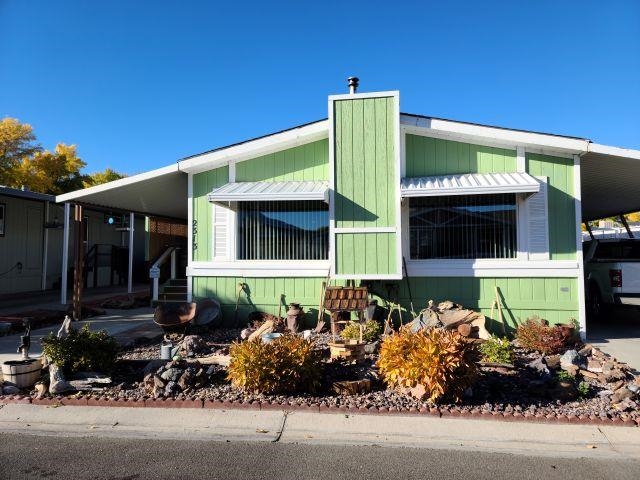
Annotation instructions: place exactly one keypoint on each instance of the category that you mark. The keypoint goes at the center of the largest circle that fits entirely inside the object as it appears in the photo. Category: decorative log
(266, 327)
(215, 359)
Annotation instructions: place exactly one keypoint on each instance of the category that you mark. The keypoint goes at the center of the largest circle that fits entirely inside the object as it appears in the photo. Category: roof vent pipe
(353, 84)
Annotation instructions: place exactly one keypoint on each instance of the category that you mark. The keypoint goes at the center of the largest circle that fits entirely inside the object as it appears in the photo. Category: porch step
(174, 291)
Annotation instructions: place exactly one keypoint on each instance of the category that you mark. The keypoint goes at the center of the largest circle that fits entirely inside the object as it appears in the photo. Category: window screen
(283, 230)
(463, 227)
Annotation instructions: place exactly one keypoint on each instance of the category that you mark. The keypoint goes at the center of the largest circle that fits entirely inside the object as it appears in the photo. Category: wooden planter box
(347, 349)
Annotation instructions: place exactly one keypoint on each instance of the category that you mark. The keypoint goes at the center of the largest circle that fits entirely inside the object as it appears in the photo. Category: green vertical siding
(555, 299)
(426, 156)
(203, 183)
(306, 162)
(365, 185)
(562, 225)
(365, 171)
(262, 294)
(358, 253)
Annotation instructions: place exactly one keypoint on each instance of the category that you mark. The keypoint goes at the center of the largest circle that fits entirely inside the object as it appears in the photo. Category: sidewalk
(415, 431)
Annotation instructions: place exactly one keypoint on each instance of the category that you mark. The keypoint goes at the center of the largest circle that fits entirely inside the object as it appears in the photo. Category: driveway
(618, 334)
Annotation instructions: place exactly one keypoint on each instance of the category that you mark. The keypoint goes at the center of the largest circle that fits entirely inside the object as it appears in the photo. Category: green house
(415, 207)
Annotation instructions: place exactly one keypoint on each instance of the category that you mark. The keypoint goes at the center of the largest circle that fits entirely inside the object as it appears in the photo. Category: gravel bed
(496, 390)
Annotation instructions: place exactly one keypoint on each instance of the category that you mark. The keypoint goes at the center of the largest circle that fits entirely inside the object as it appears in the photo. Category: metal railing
(170, 253)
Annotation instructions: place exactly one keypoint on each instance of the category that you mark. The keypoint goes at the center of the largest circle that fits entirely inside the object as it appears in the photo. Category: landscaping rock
(172, 374)
(553, 361)
(57, 383)
(594, 365)
(10, 390)
(570, 358)
(565, 391)
(153, 366)
(621, 394)
(540, 366)
(193, 344)
(586, 350)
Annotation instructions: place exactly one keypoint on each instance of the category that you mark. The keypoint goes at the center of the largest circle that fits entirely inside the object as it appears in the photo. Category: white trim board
(493, 268)
(577, 193)
(261, 268)
(257, 148)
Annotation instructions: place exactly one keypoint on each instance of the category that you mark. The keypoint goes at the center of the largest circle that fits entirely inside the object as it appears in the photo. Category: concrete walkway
(551, 440)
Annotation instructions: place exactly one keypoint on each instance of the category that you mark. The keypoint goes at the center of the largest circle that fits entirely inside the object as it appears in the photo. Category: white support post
(131, 230)
(65, 255)
(45, 249)
(156, 288)
(577, 194)
(173, 263)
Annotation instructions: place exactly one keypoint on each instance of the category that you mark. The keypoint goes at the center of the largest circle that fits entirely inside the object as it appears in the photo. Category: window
(2, 217)
(463, 226)
(283, 230)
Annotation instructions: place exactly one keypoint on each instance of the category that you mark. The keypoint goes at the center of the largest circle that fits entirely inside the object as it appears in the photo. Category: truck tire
(595, 305)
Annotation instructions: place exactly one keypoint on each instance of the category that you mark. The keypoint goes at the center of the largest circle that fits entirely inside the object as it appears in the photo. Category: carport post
(130, 276)
(65, 255)
(577, 195)
(623, 220)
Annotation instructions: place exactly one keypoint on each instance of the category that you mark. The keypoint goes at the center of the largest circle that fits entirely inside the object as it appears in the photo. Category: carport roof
(610, 181)
(161, 192)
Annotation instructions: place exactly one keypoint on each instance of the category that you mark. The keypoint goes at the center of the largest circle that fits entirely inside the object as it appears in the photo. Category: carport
(157, 193)
(610, 179)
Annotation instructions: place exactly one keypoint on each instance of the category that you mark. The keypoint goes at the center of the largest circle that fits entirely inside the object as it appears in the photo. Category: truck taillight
(615, 276)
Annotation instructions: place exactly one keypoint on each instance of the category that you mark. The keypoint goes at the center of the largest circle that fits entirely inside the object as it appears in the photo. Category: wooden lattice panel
(346, 299)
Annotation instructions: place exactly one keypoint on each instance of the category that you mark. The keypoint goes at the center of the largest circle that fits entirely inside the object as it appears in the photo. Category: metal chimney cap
(353, 81)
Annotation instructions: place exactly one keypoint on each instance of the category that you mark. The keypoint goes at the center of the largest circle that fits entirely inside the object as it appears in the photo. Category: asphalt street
(48, 457)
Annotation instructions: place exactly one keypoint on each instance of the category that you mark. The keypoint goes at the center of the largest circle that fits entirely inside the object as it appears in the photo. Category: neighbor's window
(463, 227)
(283, 230)
(2, 216)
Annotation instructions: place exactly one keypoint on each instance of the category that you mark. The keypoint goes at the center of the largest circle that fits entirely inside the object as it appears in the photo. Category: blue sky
(140, 84)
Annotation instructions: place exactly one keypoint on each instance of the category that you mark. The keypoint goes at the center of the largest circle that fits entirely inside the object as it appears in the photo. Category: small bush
(82, 350)
(535, 335)
(370, 331)
(498, 350)
(287, 364)
(438, 361)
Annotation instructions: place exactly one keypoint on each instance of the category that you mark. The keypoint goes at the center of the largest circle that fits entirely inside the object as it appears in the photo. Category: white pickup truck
(612, 273)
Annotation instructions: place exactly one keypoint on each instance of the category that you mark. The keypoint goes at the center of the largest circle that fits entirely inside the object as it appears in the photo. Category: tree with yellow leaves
(23, 162)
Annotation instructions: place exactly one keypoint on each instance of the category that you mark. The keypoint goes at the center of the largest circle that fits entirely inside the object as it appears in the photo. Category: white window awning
(469, 184)
(269, 191)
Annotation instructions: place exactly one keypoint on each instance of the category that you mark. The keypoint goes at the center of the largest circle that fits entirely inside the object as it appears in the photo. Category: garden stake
(499, 303)
(240, 289)
(404, 266)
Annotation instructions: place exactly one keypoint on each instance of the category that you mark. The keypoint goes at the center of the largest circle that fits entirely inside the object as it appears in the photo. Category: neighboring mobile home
(31, 244)
(467, 208)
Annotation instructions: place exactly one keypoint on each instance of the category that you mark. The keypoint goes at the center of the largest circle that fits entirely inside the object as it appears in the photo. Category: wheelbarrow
(174, 319)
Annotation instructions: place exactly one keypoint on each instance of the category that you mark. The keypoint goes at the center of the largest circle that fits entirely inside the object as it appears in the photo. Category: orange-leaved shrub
(286, 364)
(433, 364)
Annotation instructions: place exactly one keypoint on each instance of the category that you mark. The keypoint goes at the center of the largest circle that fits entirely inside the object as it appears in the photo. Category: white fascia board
(78, 194)
(493, 268)
(470, 133)
(358, 96)
(257, 148)
(614, 151)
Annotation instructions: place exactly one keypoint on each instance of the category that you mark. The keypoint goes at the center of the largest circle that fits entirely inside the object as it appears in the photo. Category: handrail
(154, 270)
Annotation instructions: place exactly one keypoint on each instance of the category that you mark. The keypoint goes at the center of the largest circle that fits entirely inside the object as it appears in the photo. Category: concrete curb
(197, 402)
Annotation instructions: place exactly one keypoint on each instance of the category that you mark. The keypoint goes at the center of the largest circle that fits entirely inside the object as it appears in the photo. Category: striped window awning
(269, 191)
(469, 184)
